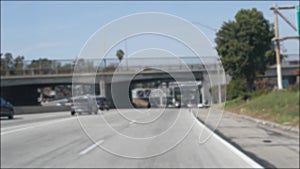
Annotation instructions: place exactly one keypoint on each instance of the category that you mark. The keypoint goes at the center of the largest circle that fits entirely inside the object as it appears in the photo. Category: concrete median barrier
(39, 109)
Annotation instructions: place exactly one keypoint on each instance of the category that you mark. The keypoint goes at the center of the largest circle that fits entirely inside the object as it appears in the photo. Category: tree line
(17, 66)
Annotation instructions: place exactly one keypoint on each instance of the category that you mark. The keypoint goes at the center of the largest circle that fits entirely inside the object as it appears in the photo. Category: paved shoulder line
(243, 156)
(33, 125)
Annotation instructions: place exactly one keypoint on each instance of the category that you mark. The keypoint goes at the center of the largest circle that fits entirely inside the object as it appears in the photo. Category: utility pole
(298, 18)
(277, 49)
(276, 9)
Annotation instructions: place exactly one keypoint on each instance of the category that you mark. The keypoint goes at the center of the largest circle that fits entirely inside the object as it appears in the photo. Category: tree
(65, 68)
(84, 65)
(18, 64)
(8, 61)
(9, 65)
(245, 45)
(43, 66)
(120, 54)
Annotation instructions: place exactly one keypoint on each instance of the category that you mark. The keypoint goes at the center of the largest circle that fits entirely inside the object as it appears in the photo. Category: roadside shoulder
(269, 144)
(265, 123)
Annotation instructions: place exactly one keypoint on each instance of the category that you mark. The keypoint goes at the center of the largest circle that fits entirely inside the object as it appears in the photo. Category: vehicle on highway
(58, 102)
(6, 109)
(177, 104)
(84, 104)
(203, 105)
(102, 103)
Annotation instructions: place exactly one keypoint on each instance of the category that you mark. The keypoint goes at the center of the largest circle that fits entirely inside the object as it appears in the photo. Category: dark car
(6, 109)
(102, 103)
(84, 104)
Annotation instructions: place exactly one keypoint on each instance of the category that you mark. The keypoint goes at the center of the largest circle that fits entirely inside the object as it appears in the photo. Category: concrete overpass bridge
(21, 89)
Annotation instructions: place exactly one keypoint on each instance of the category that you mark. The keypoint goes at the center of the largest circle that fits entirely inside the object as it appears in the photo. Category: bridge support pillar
(205, 85)
(102, 88)
(202, 94)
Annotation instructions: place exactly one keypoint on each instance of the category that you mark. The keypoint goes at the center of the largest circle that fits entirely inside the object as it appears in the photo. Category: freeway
(115, 138)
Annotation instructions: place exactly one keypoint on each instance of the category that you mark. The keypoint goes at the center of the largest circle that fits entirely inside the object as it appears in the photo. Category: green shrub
(281, 106)
(259, 92)
(294, 87)
(237, 88)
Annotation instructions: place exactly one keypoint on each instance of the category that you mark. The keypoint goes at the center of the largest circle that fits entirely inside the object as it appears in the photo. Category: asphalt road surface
(124, 138)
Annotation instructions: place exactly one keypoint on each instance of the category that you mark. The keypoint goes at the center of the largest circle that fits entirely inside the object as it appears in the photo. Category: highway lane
(143, 139)
(23, 119)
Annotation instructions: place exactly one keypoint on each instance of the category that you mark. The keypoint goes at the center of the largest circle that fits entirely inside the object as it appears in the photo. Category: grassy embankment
(277, 106)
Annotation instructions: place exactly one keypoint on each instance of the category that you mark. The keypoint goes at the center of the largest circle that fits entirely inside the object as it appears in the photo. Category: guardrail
(46, 67)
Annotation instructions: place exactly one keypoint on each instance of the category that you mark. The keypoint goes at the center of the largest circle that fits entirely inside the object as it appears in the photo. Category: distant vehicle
(171, 103)
(178, 104)
(65, 102)
(84, 104)
(6, 109)
(189, 105)
(102, 103)
(201, 105)
(171, 106)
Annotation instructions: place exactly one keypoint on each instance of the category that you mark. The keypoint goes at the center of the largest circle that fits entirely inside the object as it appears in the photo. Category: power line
(206, 26)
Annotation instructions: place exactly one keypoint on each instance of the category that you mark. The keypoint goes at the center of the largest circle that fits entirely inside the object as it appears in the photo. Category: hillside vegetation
(277, 106)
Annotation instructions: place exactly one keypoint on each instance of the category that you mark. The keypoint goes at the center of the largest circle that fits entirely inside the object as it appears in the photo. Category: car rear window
(81, 101)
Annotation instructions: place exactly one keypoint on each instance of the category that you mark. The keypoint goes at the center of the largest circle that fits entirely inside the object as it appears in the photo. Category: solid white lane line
(32, 123)
(39, 124)
(23, 126)
(240, 154)
(90, 148)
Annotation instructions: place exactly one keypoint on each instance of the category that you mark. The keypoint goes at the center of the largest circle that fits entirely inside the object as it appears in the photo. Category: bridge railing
(52, 67)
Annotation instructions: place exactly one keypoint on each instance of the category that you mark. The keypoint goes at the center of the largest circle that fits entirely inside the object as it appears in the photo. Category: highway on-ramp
(116, 138)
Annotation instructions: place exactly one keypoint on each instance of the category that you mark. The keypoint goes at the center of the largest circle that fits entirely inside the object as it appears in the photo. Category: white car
(200, 105)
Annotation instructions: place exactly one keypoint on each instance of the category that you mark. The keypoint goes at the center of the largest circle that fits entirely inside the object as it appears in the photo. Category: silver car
(84, 104)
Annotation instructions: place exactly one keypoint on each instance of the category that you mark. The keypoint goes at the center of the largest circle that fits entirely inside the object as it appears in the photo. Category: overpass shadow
(14, 119)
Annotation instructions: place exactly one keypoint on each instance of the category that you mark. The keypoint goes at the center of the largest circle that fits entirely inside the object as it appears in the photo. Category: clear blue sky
(58, 30)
